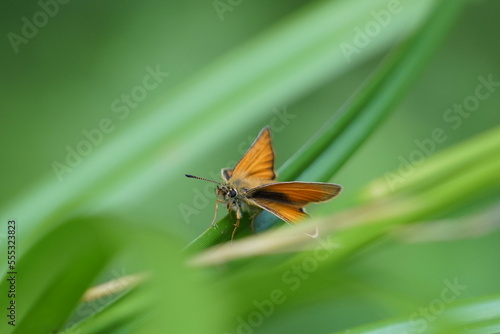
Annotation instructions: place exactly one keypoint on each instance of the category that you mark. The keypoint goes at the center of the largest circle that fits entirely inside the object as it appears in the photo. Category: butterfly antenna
(200, 178)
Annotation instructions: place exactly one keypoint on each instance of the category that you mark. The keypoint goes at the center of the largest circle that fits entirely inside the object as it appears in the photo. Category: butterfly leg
(237, 224)
(216, 210)
(253, 220)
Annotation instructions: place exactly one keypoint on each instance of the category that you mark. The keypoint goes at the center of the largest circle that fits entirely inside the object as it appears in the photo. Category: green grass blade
(479, 316)
(54, 274)
(374, 219)
(446, 164)
(339, 139)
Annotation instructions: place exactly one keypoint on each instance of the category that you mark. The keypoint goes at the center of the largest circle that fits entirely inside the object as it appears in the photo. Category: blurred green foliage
(232, 70)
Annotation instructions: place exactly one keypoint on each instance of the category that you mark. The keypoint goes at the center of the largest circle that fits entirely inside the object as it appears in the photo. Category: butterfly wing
(287, 212)
(287, 199)
(257, 163)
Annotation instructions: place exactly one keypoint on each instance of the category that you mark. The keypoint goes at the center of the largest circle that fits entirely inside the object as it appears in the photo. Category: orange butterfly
(251, 186)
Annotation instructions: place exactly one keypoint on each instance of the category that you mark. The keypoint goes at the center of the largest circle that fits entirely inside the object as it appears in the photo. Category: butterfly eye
(232, 193)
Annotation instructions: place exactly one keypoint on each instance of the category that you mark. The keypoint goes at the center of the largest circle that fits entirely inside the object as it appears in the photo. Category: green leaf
(53, 275)
(365, 223)
(479, 316)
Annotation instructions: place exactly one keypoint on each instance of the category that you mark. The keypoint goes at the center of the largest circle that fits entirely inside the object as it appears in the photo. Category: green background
(65, 79)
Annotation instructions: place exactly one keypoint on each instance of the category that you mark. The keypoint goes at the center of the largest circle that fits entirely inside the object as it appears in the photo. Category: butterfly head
(226, 192)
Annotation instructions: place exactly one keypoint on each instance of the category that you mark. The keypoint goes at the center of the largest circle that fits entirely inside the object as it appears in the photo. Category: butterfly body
(234, 194)
(251, 186)
(233, 197)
